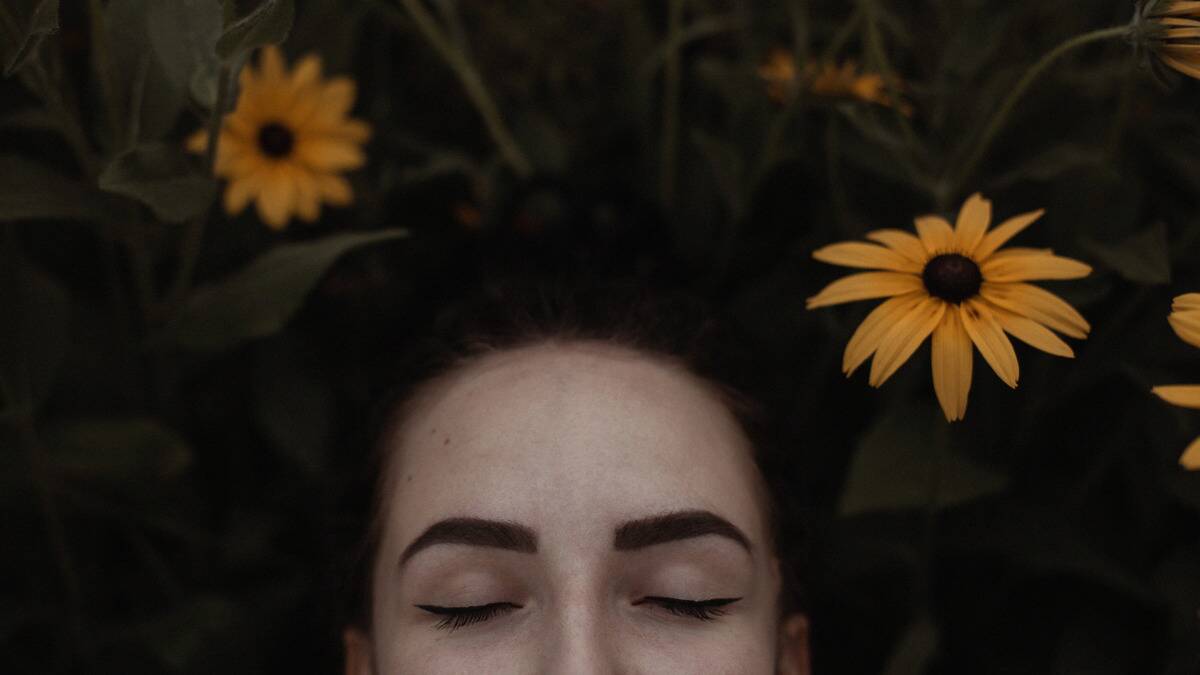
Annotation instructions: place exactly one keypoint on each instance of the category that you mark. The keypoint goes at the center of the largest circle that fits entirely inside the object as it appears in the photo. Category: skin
(571, 440)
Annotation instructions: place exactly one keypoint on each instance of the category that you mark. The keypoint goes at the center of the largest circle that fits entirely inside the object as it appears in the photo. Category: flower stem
(669, 148)
(471, 81)
(996, 123)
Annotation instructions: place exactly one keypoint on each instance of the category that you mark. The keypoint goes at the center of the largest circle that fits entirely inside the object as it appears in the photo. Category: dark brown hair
(676, 326)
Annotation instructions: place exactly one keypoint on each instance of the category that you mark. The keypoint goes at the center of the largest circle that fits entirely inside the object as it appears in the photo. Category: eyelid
(454, 618)
(704, 610)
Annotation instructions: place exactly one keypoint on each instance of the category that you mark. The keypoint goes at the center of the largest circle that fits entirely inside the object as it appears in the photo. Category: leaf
(293, 407)
(1141, 258)
(161, 177)
(36, 311)
(33, 191)
(893, 466)
(138, 82)
(258, 300)
(184, 36)
(40, 20)
(268, 24)
(915, 650)
(119, 451)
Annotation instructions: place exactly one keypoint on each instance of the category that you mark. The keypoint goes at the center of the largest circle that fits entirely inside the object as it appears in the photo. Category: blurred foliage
(184, 391)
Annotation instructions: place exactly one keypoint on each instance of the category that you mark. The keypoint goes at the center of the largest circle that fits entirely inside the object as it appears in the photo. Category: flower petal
(993, 344)
(270, 64)
(334, 189)
(277, 197)
(1190, 459)
(868, 256)
(323, 154)
(906, 334)
(999, 235)
(1185, 302)
(1037, 304)
(308, 197)
(1185, 395)
(1031, 267)
(866, 337)
(953, 359)
(936, 234)
(1031, 332)
(240, 191)
(904, 243)
(973, 220)
(865, 286)
(1186, 325)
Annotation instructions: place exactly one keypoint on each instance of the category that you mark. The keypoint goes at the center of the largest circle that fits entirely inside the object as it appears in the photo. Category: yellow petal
(997, 236)
(1037, 304)
(904, 243)
(277, 197)
(322, 154)
(1186, 325)
(308, 197)
(270, 64)
(1191, 70)
(973, 220)
(866, 286)
(952, 358)
(1177, 8)
(354, 131)
(1031, 333)
(198, 141)
(866, 337)
(1185, 395)
(1185, 302)
(334, 189)
(1190, 459)
(936, 234)
(1031, 267)
(868, 256)
(908, 332)
(990, 339)
(307, 73)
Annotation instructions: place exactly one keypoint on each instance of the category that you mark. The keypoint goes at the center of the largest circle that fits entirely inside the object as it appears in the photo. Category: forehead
(581, 429)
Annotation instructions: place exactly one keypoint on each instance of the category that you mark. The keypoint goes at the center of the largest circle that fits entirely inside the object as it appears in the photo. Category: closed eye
(704, 610)
(453, 618)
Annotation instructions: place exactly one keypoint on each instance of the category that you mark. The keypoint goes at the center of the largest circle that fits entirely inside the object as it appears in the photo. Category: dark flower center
(952, 277)
(275, 140)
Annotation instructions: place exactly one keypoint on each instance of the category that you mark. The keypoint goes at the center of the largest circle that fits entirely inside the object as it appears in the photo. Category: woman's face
(573, 508)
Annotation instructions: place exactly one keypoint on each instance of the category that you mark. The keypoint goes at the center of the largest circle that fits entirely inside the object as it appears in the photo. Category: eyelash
(454, 618)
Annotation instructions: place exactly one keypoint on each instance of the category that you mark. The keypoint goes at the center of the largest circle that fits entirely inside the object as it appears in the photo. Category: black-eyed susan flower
(956, 284)
(845, 81)
(1170, 29)
(1185, 319)
(287, 141)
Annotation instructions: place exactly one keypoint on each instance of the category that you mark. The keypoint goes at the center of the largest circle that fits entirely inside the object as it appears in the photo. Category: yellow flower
(1185, 319)
(778, 71)
(1174, 33)
(953, 283)
(286, 141)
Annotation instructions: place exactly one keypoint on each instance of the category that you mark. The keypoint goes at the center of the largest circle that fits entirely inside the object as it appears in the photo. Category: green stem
(1014, 96)
(928, 553)
(842, 36)
(878, 54)
(471, 81)
(669, 148)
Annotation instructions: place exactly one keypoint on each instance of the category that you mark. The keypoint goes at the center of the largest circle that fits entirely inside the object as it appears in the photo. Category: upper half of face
(601, 506)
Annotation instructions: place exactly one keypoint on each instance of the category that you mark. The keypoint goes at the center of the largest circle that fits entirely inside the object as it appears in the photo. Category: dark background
(188, 500)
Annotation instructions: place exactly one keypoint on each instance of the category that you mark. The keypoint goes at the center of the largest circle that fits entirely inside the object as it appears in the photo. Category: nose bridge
(580, 641)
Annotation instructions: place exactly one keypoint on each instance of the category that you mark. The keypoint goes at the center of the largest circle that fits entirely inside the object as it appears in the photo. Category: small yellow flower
(287, 140)
(953, 283)
(1185, 319)
(778, 71)
(1173, 33)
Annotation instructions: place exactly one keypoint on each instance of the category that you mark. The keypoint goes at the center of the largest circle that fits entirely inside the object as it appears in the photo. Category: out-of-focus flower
(1185, 319)
(287, 140)
(829, 80)
(1170, 29)
(953, 283)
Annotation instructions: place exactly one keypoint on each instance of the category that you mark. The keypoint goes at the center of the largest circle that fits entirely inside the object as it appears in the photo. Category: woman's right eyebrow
(474, 532)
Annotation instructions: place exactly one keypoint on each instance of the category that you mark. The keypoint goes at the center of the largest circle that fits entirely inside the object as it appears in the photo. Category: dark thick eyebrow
(637, 534)
(474, 532)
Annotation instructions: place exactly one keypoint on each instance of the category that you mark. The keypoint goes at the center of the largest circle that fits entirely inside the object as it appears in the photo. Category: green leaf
(33, 191)
(1141, 258)
(117, 451)
(36, 21)
(893, 467)
(161, 177)
(268, 24)
(184, 36)
(36, 311)
(258, 300)
(293, 407)
(915, 650)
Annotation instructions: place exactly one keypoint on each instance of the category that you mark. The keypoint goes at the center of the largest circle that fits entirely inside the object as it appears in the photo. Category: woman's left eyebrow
(675, 526)
(474, 532)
